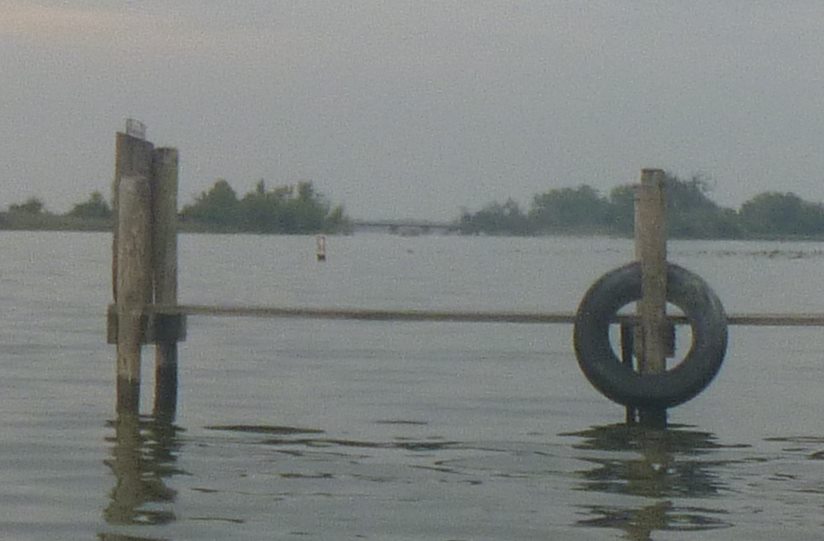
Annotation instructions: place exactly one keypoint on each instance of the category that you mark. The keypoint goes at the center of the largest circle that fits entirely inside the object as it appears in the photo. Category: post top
(135, 128)
(652, 177)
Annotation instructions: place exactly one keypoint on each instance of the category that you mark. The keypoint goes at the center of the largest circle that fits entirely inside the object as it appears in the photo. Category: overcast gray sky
(415, 108)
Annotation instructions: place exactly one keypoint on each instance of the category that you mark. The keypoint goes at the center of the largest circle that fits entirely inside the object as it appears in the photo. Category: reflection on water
(143, 456)
(639, 482)
(413, 431)
(119, 537)
(313, 438)
(659, 466)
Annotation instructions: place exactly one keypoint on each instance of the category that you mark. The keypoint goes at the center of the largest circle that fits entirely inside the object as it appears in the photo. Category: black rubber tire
(620, 382)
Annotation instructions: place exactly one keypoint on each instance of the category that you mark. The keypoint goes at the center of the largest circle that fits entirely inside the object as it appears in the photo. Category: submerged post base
(165, 400)
(655, 418)
(128, 396)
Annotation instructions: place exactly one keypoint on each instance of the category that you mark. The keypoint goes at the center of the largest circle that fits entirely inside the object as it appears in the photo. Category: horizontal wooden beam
(361, 314)
(777, 320)
(754, 319)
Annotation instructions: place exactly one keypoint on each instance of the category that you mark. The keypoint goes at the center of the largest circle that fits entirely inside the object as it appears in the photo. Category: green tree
(263, 211)
(774, 213)
(495, 219)
(621, 211)
(283, 209)
(309, 209)
(692, 214)
(32, 205)
(218, 206)
(289, 209)
(568, 209)
(96, 208)
(690, 211)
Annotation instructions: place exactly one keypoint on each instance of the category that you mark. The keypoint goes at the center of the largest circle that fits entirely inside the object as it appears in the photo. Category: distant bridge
(405, 227)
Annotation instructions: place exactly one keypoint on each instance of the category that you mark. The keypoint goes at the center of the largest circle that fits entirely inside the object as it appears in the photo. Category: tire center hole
(682, 338)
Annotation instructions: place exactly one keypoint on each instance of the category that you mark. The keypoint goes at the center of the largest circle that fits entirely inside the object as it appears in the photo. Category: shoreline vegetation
(581, 211)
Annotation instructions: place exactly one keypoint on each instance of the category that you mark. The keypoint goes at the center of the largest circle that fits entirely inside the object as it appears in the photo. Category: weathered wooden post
(133, 284)
(164, 242)
(651, 251)
(131, 258)
(144, 267)
(133, 156)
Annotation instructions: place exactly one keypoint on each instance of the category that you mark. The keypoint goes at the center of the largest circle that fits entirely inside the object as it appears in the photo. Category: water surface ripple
(301, 429)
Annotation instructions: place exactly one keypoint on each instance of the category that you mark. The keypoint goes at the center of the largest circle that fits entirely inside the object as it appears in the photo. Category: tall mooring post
(133, 284)
(144, 268)
(164, 264)
(651, 343)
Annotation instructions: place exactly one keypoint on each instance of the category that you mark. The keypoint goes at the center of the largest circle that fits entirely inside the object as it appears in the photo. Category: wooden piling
(164, 249)
(133, 284)
(133, 157)
(144, 268)
(651, 251)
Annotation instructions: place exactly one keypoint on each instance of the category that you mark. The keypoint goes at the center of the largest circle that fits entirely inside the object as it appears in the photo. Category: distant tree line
(94, 208)
(690, 214)
(283, 209)
(95, 214)
(583, 210)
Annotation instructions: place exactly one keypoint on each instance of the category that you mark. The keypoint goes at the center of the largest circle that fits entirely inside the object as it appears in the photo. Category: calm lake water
(306, 429)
